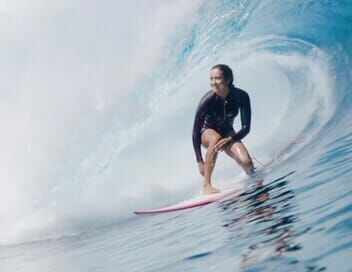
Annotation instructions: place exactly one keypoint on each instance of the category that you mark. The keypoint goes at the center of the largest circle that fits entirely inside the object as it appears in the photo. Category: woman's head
(221, 79)
(226, 72)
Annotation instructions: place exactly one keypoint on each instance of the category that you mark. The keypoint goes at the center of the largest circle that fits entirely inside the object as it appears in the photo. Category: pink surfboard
(194, 202)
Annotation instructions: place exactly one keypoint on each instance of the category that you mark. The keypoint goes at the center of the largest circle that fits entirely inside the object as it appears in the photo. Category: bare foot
(208, 189)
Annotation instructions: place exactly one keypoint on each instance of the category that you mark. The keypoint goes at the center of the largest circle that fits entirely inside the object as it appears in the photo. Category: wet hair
(226, 72)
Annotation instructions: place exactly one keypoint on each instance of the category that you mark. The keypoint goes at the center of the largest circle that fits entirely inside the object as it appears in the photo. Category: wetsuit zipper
(225, 110)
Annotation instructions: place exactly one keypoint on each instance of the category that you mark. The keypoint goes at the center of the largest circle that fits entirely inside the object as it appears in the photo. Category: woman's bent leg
(209, 138)
(240, 154)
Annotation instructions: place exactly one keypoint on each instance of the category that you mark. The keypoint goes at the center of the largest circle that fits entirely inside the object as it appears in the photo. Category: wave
(125, 142)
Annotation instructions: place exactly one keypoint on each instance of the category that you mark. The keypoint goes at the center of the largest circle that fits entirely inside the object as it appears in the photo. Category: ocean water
(97, 106)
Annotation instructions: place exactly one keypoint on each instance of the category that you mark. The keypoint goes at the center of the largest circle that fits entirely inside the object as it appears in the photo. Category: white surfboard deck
(198, 201)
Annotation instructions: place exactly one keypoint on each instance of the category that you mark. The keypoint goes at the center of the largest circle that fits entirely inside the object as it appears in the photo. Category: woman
(213, 124)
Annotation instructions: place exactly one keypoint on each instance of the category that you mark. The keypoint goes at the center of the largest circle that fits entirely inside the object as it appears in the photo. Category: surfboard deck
(198, 201)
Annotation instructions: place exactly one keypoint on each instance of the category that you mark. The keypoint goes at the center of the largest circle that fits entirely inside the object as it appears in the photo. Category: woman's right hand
(201, 168)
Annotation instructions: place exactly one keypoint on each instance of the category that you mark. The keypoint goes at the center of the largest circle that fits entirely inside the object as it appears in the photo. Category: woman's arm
(246, 112)
(199, 118)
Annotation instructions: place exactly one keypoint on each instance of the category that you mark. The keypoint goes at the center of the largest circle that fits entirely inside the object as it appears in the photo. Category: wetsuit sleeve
(201, 112)
(246, 112)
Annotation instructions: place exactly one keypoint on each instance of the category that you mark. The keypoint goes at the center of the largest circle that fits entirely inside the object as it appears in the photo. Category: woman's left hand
(220, 145)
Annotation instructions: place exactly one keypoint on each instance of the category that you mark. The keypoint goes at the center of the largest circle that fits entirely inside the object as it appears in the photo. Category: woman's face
(217, 81)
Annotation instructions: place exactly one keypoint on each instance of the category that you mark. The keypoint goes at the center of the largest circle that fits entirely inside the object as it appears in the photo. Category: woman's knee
(214, 140)
(212, 155)
(211, 146)
(210, 138)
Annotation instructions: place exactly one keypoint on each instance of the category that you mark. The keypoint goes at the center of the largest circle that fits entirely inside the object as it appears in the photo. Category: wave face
(98, 100)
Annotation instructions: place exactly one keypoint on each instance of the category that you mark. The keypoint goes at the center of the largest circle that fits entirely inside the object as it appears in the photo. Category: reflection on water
(265, 216)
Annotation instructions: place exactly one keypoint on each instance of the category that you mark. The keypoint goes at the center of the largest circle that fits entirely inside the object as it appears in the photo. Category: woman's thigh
(210, 137)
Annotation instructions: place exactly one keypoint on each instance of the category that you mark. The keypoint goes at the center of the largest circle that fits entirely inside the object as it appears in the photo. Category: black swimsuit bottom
(222, 133)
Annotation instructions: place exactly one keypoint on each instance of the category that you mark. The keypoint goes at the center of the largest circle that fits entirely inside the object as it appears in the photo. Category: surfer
(213, 125)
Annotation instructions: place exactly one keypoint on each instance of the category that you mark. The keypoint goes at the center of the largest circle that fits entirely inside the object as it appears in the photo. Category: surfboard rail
(194, 202)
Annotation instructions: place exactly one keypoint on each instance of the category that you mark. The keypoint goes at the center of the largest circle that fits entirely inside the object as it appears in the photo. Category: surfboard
(198, 201)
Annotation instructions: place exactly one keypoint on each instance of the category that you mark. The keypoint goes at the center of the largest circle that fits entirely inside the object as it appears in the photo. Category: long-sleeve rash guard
(215, 113)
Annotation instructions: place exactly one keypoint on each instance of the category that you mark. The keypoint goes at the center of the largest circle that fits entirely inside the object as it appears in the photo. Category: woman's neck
(223, 94)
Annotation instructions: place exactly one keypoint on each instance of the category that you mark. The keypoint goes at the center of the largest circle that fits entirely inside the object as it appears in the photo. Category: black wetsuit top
(215, 113)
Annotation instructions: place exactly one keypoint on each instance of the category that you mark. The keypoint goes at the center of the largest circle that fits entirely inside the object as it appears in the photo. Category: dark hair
(226, 72)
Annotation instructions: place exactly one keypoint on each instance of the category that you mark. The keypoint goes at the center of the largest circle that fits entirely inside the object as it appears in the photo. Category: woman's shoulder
(207, 97)
(240, 92)
(241, 96)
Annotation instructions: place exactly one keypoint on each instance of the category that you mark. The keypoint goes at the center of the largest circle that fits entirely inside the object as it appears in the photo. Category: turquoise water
(72, 209)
